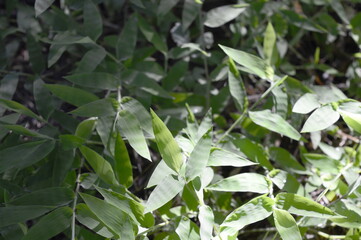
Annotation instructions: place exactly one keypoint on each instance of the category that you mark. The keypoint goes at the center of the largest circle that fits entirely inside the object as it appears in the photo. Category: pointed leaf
(198, 159)
(303, 206)
(306, 103)
(24, 155)
(240, 183)
(19, 108)
(95, 80)
(93, 25)
(17, 214)
(43, 99)
(238, 91)
(24, 131)
(168, 147)
(165, 191)
(122, 165)
(91, 60)
(190, 12)
(286, 160)
(99, 164)
(286, 225)
(321, 119)
(187, 230)
(99, 108)
(253, 211)
(127, 39)
(269, 42)
(252, 62)
(41, 6)
(218, 16)
(206, 220)
(114, 218)
(221, 157)
(50, 225)
(274, 122)
(160, 172)
(130, 128)
(151, 35)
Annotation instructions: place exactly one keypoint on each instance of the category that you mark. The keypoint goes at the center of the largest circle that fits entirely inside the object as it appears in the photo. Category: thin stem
(326, 235)
(75, 201)
(155, 227)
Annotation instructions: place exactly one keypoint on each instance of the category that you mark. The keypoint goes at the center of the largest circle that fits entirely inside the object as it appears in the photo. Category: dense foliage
(169, 119)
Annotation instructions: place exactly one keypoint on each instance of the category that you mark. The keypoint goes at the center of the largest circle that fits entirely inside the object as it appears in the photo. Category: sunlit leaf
(221, 157)
(42, 5)
(320, 119)
(218, 16)
(206, 219)
(122, 165)
(306, 104)
(286, 225)
(167, 146)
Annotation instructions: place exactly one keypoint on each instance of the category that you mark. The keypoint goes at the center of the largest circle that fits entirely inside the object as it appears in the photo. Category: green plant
(81, 157)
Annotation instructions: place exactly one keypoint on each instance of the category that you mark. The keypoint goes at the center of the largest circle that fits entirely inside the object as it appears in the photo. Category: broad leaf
(127, 39)
(98, 80)
(323, 162)
(238, 91)
(24, 131)
(54, 196)
(191, 10)
(17, 214)
(274, 122)
(253, 211)
(50, 225)
(24, 155)
(114, 218)
(221, 157)
(99, 108)
(93, 25)
(41, 6)
(91, 60)
(122, 165)
(286, 160)
(206, 219)
(306, 104)
(168, 147)
(160, 172)
(303, 206)
(198, 159)
(286, 225)
(269, 43)
(187, 230)
(320, 119)
(217, 17)
(100, 165)
(151, 35)
(251, 62)
(240, 183)
(72, 95)
(130, 128)
(165, 191)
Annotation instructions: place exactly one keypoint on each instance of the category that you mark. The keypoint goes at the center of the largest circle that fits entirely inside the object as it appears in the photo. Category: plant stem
(155, 227)
(75, 201)
(326, 235)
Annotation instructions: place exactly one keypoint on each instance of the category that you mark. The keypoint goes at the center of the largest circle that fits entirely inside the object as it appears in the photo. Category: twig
(75, 201)
(326, 235)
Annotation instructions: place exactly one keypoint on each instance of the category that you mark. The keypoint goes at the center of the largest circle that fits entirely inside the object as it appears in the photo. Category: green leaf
(160, 172)
(240, 183)
(274, 122)
(24, 131)
(350, 214)
(127, 39)
(8, 85)
(130, 128)
(218, 16)
(168, 147)
(122, 165)
(255, 64)
(24, 155)
(165, 191)
(50, 225)
(286, 225)
(91, 60)
(253, 151)
(85, 128)
(41, 6)
(198, 159)
(165, 6)
(303, 206)
(221, 157)
(43, 99)
(72, 95)
(253, 211)
(151, 35)
(320, 119)
(137, 109)
(98, 80)
(323, 162)
(114, 218)
(131, 207)
(280, 99)
(100, 165)
(91, 221)
(306, 104)
(93, 25)
(17, 214)
(19, 108)
(54, 196)
(269, 42)
(36, 56)
(187, 230)
(238, 91)
(190, 12)
(286, 160)
(99, 108)
(206, 220)
(351, 114)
